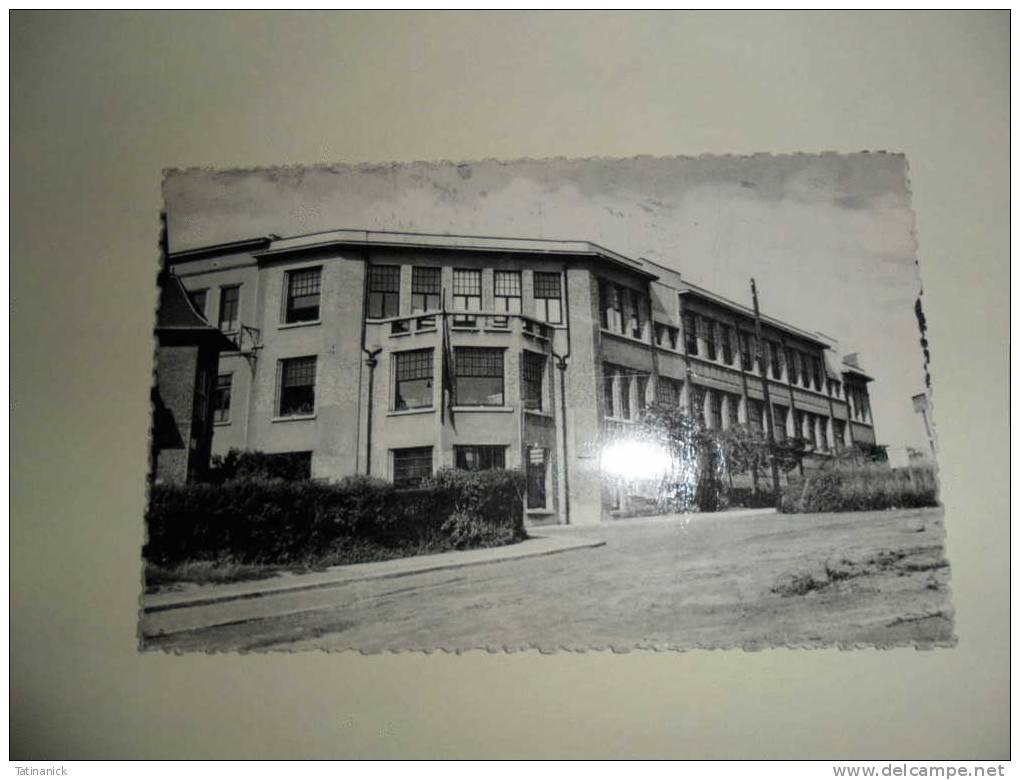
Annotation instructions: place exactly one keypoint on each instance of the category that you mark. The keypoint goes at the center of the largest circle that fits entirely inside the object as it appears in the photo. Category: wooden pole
(759, 353)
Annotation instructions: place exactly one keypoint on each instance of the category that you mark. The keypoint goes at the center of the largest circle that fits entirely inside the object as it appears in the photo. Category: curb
(298, 587)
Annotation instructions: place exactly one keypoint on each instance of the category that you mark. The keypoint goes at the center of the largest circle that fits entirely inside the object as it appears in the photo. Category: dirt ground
(856, 579)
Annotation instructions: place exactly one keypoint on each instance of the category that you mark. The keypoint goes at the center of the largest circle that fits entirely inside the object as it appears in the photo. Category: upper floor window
(412, 379)
(467, 289)
(297, 387)
(816, 369)
(726, 342)
(635, 326)
(744, 344)
(221, 398)
(532, 380)
(426, 287)
(479, 376)
(775, 359)
(715, 416)
(506, 289)
(303, 288)
(708, 333)
(791, 362)
(383, 291)
(230, 309)
(479, 457)
(198, 300)
(779, 421)
(690, 335)
(665, 335)
(411, 465)
(612, 307)
(548, 296)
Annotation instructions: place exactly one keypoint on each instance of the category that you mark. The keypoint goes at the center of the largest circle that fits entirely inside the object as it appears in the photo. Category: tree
(693, 455)
(789, 453)
(745, 449)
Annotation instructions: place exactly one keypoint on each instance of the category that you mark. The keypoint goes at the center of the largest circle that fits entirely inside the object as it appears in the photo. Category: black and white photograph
(563, 404)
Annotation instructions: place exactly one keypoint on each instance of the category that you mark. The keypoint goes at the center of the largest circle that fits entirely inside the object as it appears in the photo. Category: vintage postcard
(646, 403)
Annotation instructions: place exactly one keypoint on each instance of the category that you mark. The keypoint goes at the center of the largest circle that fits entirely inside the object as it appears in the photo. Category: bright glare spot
(634, 460)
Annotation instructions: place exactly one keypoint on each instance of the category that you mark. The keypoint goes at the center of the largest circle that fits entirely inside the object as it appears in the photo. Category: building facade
(395, 354)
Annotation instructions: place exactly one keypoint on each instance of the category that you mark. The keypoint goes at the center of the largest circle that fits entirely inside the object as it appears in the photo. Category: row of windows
(412, 465)
(426, 292)
(623, 309)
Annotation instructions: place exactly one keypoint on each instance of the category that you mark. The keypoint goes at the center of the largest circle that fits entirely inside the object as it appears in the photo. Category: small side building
(187, 353)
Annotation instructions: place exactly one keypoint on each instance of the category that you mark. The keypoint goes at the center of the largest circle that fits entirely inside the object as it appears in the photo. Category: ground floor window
(536, 478)
(221, 398)
(411, 465)
(480, 457)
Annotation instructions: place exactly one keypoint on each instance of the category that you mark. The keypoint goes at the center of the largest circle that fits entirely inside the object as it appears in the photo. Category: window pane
(297, 386)
(411, 466)
(413, 374)
(479, 374)
(476, 458)
(507, 283)
(303, 295)
(547, 284)
(221, 398)
(467, 282)
(229, 308)
(532, 370)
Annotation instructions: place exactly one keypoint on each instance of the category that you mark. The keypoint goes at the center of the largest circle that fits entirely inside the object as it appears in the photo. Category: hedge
(861, 488)
(358, 518)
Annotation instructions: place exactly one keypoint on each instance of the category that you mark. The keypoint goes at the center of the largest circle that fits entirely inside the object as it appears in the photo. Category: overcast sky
(829, 238)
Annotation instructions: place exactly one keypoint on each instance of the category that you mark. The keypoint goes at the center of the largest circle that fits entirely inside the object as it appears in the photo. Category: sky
(828, 238)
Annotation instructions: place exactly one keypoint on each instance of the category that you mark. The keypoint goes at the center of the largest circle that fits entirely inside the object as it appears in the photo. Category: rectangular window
(536, 478)
(791, 362)
(715, 410)
(411, 465)
(775, 359)
(708, 333)
(805, 369)
(479, 376)
(612, 307)
(479, 457)
(839, 431)
(532, 380)
(426, 287)
(730, 416)
(383, 291)
(698, 402)
(635, 323)
(624, 395)
(467, 295)
(198, 300)
(607, 387)
(297, 387)
(548, 297)
(221, 398)
(755, 413)
(816, 368)
(666, 392)
(779, 421)
(412, 379)
(642, 390)
(726, 341)
(506, 289)
(690, 335)
(303, 295)
(744, 340)
(230, 309)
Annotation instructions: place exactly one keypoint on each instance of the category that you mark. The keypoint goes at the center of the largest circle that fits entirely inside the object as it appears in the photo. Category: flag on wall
(449, 378)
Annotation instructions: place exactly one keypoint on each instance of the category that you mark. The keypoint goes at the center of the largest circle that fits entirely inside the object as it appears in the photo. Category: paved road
(864, 578)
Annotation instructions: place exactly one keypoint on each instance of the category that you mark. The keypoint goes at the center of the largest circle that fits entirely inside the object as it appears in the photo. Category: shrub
(252, 464)
(272, 521)
(848, 487)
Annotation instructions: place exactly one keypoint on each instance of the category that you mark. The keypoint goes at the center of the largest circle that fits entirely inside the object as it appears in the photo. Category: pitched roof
(177, 314)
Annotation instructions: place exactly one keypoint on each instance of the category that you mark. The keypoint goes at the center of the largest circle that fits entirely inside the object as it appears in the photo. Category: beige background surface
(100, 103)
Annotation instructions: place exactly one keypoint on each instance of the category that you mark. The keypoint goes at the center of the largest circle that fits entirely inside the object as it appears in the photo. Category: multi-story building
(395, 354)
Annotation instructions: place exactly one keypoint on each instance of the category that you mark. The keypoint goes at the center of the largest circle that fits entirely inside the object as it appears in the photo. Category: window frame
(236, 321)
(420, 297)
(458, 376)
(288, 285)
(377, 274)
(489, 451)
(540, 361)
(407, 355)
(542, 300)
(504, 302)
(218, 393)
(282, 388)
(412, 481)
(689, 322)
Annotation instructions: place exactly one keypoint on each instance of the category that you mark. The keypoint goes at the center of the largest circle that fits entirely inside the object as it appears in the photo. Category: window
(755, 413)
(303, 295)
(839, 432)
(479, 457)
(726, 339)
(690, 335)
(297, 387)
(805, 370)
(730, 414)
(612, 307)
(479, 373)
(607, 387)
(426, 286)
(536, 478)
(548, 304)
(635, 325)
(383, 291)
(642, 393)
(413, 379)
(744, 341)
(779, 421)
(791, 362)
(506, 288)
(715, 410)
(698, 402)
(708, 333)
(201, 407)
(411, 465)
(221, 398)
(666, 391)
(467, 290)
(624, 396)
(665, 336)
(532, 380)
(198, 299)
(230, 304)
(816, 370)
(775, 359)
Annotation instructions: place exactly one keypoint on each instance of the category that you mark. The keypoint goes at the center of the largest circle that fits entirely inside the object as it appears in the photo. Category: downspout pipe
(371, 361)
(561, 364)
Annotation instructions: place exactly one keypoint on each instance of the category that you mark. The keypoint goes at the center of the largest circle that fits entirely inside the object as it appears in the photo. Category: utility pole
(759, 353)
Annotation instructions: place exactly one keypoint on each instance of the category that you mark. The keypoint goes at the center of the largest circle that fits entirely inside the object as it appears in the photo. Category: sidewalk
(203, 606)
